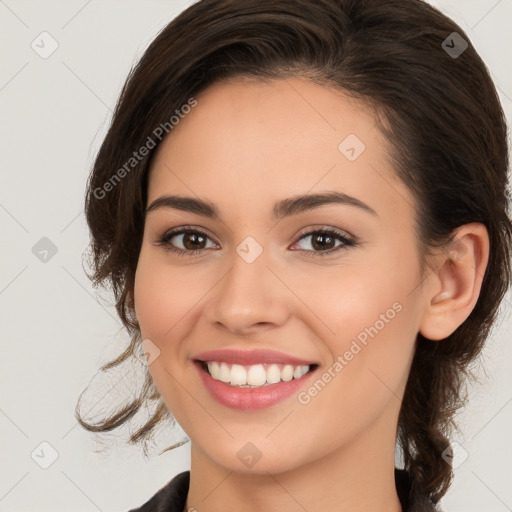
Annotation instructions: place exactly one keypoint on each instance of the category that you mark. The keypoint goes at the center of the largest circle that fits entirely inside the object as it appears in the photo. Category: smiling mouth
(256, 375)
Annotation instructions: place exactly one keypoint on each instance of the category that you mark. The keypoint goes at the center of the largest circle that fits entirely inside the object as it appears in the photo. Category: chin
(246, 458)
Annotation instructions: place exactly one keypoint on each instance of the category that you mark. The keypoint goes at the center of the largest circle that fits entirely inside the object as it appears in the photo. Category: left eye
(323, 241)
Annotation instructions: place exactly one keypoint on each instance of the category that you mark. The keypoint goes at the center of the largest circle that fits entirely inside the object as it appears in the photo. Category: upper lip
(250, 357)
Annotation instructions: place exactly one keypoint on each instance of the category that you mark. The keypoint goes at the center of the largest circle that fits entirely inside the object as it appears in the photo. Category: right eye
(192, 240)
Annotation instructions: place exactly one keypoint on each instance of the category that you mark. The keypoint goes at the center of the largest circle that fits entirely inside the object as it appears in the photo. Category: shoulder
(170, 498)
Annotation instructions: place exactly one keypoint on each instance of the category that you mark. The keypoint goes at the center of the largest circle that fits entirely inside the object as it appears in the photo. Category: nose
(249, 297)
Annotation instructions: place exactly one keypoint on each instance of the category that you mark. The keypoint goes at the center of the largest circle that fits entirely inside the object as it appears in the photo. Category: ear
(453, 287)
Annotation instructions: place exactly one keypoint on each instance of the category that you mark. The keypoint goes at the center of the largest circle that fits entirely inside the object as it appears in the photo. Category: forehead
(304, 115)
(249, 140)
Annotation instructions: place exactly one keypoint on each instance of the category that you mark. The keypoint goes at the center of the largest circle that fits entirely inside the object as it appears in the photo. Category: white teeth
(273, 374)
(287, 373)
(213, 367)
(238, 375)
(225, 373)
(255, 375)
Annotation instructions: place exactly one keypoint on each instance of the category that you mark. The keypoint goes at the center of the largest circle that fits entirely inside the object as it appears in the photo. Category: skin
(245, 146)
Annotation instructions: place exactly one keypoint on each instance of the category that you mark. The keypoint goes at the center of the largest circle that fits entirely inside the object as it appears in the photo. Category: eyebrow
(283, 208)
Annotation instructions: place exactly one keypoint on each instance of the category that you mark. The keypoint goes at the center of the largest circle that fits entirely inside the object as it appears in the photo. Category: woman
(301, 207)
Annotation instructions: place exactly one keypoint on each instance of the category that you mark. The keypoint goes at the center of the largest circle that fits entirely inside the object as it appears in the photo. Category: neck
(357, 476)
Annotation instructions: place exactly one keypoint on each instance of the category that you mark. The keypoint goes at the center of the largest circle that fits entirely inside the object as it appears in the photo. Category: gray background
(56, 330)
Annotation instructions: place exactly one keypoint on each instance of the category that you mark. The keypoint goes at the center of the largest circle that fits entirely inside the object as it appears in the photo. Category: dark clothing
(173, 496)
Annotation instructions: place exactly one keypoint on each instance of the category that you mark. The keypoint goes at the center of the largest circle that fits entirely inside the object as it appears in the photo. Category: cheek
(373, 315)
(370, 356)
(366, 294)
(163, 295)
(162, 301)
(151, 301)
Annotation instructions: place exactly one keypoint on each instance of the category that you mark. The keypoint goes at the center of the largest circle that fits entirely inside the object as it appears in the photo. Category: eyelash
(166, 237)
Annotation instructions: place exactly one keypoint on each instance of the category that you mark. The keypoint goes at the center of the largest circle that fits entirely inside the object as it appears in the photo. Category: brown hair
(441, 115)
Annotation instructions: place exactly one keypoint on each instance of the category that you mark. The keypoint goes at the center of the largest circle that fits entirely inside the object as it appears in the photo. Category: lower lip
(250, 398)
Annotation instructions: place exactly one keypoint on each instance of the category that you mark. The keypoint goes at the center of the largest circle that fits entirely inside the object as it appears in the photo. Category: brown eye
(324, 241)
(192, 241)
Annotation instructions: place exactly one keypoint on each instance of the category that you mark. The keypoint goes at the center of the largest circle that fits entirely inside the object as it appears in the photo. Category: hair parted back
(442, 117)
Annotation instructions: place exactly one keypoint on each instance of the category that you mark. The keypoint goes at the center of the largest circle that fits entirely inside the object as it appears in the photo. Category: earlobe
(453, 287)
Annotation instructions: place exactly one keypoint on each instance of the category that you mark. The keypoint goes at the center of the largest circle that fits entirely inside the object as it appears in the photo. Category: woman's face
(264, 285)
